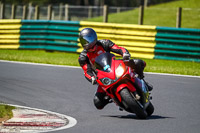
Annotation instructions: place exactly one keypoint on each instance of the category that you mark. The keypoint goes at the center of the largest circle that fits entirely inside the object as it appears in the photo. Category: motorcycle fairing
(101, 73)
(104, 61)
(106, 65)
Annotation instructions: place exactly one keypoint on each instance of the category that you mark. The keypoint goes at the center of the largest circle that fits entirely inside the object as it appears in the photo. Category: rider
(93, 48)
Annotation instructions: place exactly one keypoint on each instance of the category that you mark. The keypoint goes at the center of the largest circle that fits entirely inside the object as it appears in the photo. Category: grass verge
(40, 56)
(71, 59)
(6, 112)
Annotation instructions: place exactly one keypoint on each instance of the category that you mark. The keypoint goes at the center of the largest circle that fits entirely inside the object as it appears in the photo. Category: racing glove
(126, 56)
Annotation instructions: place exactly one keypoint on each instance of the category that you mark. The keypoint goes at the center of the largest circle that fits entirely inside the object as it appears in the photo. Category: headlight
(119, 71)
(106, 81)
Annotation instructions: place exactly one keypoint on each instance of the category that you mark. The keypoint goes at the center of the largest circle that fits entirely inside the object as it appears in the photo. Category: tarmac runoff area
(32, 120)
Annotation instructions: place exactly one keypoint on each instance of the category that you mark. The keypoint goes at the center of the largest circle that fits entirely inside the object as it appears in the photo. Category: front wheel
(131, 104)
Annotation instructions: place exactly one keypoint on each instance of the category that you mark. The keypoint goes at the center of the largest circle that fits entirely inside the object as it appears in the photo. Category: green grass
(6, 111)
(173, 67)
(40, 56)
(71, 59)
(160, 15)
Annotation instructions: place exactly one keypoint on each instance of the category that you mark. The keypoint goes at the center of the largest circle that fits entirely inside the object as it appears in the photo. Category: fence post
(13, 12)
(36, 12)
(53, 15)
(49, 12)
(89, 12)
(105, 13)
(178, 17)
(30, 10)
(24, 12)
(60, 11)
(145, 3)
(2, 11)
(118, 9)
(141, 15)
(66, 12)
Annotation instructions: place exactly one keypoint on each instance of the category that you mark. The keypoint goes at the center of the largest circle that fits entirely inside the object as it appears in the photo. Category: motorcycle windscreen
(103, 62)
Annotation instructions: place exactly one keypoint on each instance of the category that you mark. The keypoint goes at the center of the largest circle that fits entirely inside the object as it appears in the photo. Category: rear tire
(150, 109)
(131, 104)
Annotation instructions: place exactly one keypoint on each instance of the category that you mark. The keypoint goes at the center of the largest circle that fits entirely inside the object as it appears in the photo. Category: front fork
(143, 92)
(141, 95)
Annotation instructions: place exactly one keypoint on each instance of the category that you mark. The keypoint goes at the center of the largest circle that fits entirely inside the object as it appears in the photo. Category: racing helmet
(88, 38)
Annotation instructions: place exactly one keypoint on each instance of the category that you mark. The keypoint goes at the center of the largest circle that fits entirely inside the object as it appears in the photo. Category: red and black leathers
(87, 59)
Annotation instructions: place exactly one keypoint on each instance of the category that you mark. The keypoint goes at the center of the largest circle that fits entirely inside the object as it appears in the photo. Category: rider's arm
(86, 66)
(119, 50)
(110, 46)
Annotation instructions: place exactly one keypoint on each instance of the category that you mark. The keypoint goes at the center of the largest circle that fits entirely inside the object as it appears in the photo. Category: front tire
(131, 104)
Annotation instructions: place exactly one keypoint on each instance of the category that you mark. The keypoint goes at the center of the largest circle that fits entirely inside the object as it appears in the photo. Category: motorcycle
(121, 84)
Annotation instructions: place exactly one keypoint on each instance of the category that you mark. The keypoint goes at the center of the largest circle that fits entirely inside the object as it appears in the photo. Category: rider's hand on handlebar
(126, 56)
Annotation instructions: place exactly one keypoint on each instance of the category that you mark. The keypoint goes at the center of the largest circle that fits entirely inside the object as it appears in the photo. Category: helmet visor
(88, 38)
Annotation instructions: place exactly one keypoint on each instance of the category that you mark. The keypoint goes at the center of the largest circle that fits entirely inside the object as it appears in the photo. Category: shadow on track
(132, 116)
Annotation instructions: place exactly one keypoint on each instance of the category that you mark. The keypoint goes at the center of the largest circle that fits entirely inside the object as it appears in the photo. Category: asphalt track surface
(65, 90)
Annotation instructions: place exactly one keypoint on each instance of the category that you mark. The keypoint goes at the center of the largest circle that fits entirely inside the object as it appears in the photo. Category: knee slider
(98, 104)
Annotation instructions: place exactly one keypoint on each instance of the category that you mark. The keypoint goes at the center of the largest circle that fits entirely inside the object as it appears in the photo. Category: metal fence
(55, 12)
(187, 16)
(179, 17)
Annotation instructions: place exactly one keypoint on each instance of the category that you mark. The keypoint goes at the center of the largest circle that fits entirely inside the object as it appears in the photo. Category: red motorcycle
(121, 84)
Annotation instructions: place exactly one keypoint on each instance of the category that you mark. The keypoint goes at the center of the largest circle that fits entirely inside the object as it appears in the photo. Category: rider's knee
(97, 102)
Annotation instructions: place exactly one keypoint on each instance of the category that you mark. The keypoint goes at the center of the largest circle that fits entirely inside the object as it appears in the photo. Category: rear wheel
(150, 109)
(131, 104)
